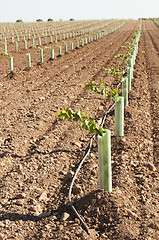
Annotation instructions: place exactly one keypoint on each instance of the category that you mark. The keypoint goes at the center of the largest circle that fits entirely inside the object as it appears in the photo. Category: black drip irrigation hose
(84, 225)
(4, 76)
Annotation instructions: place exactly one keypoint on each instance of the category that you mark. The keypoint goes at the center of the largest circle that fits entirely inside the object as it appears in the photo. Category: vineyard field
(39, 152)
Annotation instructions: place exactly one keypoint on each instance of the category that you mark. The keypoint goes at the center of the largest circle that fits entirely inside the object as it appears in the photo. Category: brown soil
(38, 150)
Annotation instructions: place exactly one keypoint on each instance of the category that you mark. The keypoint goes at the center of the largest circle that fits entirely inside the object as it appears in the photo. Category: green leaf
(63, 114)
(5, 54)
(100, 131)
(101, 83)
(78, 116)
(85, 125)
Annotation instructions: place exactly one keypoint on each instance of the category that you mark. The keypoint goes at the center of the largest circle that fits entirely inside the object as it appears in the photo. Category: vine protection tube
(104, 155)
(125, 91)
(29, 59)
(41, 55)
(119, 116)
(11, 64)
(52, 53)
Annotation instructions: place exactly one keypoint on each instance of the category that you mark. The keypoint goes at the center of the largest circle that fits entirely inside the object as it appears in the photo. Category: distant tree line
(40, 20)
(148, 18)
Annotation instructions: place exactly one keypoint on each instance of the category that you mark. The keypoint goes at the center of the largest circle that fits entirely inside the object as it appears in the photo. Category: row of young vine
(80, 42)
(58, 33)
(104, 135)
(51, 29)
(157, 22)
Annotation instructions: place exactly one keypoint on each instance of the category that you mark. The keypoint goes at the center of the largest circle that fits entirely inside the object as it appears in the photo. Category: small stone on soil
(36, 209)
(132, 215)
(100, 108)
(77, 144)
(64, 216)
(43, 196)
(20, 195)
(151, 167)
(19, 202)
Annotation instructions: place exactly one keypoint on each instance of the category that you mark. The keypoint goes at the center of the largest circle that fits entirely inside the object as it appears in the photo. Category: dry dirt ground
(40, 152)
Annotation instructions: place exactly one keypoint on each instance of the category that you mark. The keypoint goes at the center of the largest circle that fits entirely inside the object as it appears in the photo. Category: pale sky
(30, 10)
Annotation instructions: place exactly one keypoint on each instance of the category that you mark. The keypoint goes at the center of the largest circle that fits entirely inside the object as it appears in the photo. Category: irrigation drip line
(4, 76)
(70, 190)
(85, 227)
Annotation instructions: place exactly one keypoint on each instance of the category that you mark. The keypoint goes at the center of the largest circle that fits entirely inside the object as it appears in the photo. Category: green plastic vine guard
(65, 48)
(125, 91)
(130, 64)
(71, 46)
(129, 78)
(85, 42)
(119, 116)
(41, 55)
(33, 42)
(5, 47)
(82, 44)
(39, 41)
(25, 44)
(11, 64)
(51, 40)
(29, 59)
(104, 155)
(16, 46)
(133, 57)
(132, 68)
(137, 48)
(59, 50)
(52, 53)
(45, 40)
